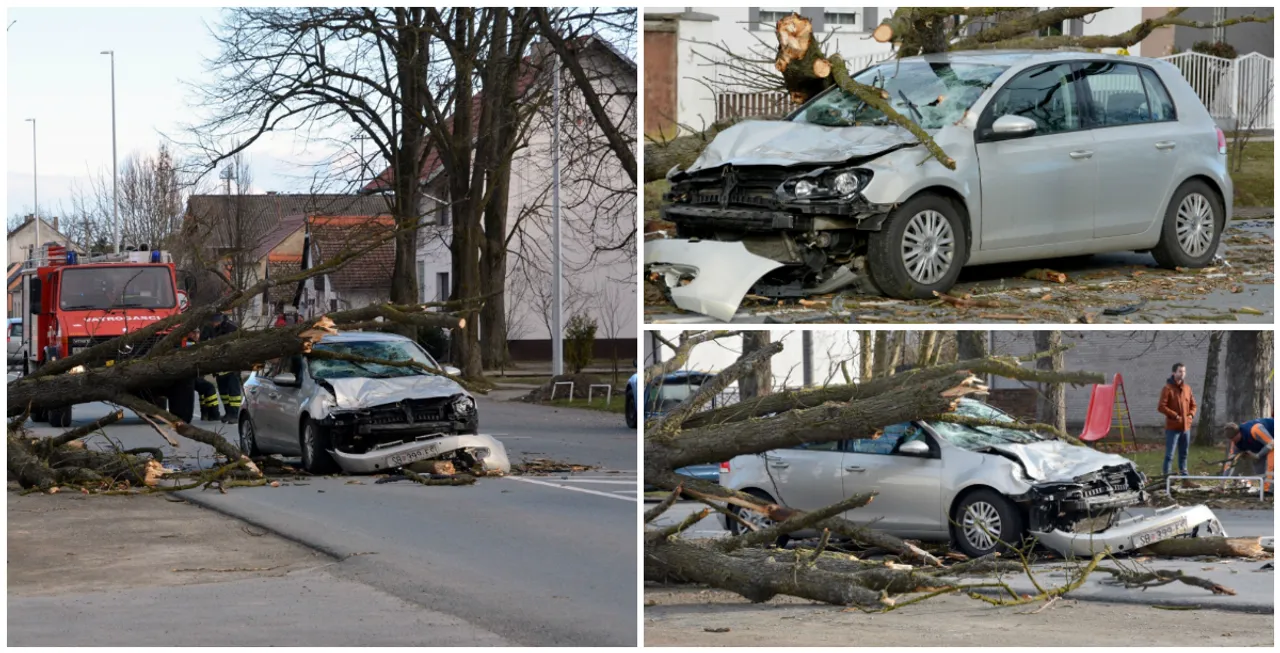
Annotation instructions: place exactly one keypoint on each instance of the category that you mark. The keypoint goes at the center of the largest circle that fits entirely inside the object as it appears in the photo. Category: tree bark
(1051, 403)
(1234, 547)
(758, 382)
(1207, 426)
(1249, 382)
(865, 359)
(971, 344)
(883, 364)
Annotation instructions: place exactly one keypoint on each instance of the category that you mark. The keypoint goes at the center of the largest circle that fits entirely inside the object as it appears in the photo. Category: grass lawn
(618, 405)
(1255, 182)
(1198, 461)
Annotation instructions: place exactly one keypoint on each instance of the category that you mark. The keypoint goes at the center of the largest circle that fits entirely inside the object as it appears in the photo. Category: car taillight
(724, 468)
(1222, 141)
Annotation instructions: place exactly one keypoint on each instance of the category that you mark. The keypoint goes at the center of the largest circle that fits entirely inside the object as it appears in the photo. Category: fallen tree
(688, 435)
(803, 69)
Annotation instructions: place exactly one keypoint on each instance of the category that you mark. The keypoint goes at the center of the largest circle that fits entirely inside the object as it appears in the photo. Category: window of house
(1056, 29)
(333, 305)
(442, 286)
(770, 16)
(835, 17)
(442, 214)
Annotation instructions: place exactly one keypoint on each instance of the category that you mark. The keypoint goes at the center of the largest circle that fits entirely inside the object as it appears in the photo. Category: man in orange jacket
(1253, 439)
(1178, 405)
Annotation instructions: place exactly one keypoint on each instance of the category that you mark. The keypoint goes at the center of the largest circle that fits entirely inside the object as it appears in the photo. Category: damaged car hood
(355, 393)
(782, 143)
(1055, 460)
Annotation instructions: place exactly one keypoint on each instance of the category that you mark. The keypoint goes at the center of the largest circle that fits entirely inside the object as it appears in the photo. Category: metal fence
(1239, 93)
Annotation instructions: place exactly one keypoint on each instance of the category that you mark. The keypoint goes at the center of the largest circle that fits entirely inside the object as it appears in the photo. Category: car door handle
(274, 395)
(1166, 145)
(1082, 154)
(779, 464)
(855, 468)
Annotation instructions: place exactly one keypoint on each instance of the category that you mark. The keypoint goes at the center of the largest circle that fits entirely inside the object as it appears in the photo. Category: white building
(598, 221)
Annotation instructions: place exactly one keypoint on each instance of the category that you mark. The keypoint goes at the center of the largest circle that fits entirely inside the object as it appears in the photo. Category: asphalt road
(540, 561)
(1255, 590)
(1235, 292)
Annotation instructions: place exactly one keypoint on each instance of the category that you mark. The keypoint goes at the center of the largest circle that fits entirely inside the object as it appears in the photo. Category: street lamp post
(115, 193)
(35, 182)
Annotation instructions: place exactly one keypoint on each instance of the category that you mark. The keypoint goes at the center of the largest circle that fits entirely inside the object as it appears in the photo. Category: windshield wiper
(912, 105)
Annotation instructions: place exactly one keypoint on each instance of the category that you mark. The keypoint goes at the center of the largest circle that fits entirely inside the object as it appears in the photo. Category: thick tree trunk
(805, 71)
(883, 364)
(1207, 426)
(759, 381)
(971, 344)
(1223, 547)
(1249, 382)
(865, 358)
(1051, 403)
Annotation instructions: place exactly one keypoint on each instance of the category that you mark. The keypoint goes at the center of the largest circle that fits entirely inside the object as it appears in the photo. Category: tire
(182, 400)
(1197, 206)
(248, 436)
(1004, 524)
(60, 417)
(39, 415)
(631, 411)
(736, 528)
(938, 222)
(314, 444)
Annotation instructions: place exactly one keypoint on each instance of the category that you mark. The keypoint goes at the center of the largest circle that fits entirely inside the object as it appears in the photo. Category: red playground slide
(1102, 404)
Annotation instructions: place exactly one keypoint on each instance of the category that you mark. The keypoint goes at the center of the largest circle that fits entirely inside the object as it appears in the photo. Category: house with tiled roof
(21, 241)
(598, 215)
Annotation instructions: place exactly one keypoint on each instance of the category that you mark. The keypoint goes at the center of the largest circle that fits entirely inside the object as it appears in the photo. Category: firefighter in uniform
(228, 383)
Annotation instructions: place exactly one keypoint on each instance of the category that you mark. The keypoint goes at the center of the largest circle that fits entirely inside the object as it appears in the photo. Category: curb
(201, 502)
(1248, 608)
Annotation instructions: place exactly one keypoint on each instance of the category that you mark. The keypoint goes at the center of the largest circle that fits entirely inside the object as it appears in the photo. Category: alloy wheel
(1195, 224)
(982, 525)
(928, 247)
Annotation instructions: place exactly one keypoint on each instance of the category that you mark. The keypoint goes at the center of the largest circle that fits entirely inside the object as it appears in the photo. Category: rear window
(1161, 104)
(15, 330)
(1125, 94)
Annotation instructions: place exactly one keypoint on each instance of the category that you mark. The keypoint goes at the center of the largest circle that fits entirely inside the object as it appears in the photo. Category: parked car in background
(15, 341)
(977, 487)
(364, 417)
(1055, 154)
(662, 396)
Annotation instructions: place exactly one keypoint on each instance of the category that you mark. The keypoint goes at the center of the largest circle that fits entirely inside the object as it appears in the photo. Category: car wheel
(631, 411)
(60, 417)
(985, 521)
(754, 518)
(248, 436)
(1193, 225)
(919, 249)
(314, 442)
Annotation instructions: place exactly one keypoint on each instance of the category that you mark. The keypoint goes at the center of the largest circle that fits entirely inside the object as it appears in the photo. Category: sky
(56, 75)
(830, 348)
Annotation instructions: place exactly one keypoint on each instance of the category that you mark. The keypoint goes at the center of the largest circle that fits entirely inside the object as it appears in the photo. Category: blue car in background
(663, 395)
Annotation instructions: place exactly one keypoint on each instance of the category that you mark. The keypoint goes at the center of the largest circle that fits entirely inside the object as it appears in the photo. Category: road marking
(569, 487)
(598, 480)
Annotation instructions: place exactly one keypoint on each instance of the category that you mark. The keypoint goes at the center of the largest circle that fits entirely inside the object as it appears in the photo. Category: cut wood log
(1042, 274)
(1224, 547)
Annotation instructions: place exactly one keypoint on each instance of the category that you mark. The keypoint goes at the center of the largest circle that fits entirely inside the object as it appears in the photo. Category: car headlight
(463, 405)
(79, 369)
(825, 183)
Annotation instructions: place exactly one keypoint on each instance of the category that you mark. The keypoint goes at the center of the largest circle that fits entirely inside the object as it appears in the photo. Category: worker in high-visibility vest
(1254, 440)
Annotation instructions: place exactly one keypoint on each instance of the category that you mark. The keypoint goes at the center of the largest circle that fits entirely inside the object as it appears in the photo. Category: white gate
(1238, 92)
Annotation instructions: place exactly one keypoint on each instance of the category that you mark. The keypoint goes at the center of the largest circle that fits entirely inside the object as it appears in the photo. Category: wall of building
(1143, 358)
(21, 241)
(1245, 38)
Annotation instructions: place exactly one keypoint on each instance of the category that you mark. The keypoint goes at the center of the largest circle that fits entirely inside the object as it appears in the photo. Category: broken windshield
(384, 350)
(979, 437)
(931, 94)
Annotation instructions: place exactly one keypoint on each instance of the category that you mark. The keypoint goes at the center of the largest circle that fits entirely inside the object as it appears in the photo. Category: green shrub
(1215, 48)
(580, 342)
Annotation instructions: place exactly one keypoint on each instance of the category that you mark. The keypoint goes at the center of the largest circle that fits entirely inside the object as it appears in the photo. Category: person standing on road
(1254, 440)
(1178, 405)
(228, 388)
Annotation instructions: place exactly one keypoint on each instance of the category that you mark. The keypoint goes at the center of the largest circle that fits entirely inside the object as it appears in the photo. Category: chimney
(55, 223)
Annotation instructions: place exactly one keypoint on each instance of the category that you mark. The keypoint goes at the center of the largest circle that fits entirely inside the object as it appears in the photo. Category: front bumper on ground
(1136, 532)
(489, 451)
(722, 273)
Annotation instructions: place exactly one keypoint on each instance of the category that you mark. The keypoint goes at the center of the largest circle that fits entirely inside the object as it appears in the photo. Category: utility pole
(115, 179)
(557, 313)
(35, 183)
(806, 352)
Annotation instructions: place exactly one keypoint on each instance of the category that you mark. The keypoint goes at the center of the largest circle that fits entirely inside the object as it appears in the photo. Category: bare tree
(971, 344)
(1249, 385)
(617, 314)
(758, 380)
(1051, 402)
(1207, 426)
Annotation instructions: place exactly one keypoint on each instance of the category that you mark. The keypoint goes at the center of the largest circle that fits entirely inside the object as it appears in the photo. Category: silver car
(364, 417)
(15, 341)
(1055, 154)
(974, 487)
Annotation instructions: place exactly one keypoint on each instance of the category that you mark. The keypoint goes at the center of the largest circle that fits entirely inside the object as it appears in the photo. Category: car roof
(364, 336)
(1016, 57)
(14, 319)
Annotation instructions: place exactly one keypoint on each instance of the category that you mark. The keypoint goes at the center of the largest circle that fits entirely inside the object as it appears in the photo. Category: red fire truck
(71, 303)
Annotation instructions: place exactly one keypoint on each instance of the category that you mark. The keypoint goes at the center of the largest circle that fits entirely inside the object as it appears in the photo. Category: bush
(580, 342)
(1215, 49)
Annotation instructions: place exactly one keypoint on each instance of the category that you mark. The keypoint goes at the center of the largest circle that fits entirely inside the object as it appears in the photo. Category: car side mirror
(914, 448)
(286, 379)
(1013, 126)
(452, 371)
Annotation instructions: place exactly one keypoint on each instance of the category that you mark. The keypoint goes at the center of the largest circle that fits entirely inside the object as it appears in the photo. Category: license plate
(1165, 532)
(402, 459)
